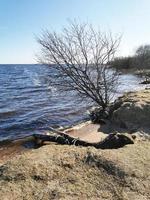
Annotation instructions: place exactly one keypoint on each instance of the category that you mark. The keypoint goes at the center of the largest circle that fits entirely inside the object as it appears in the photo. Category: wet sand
(8, 151)
(87, 131)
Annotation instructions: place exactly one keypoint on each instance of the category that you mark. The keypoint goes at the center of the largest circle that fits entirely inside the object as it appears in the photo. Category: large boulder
(132, 111)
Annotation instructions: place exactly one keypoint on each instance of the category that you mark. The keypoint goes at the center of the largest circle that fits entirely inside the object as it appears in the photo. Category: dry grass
(68, 172)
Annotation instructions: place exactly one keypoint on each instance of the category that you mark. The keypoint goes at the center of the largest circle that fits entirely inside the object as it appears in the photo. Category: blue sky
(21, 20)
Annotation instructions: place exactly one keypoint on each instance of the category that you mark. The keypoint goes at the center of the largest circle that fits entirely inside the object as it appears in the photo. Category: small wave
(36, 82)
(52, 88)
(9, 113)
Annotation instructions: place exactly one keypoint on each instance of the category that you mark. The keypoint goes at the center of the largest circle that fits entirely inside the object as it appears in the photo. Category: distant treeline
(139, 61)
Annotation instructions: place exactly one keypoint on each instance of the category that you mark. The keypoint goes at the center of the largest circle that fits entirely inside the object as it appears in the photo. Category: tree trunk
(114, 140)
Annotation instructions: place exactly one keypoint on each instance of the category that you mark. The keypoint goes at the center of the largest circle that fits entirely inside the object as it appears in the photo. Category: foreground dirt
(69, 172)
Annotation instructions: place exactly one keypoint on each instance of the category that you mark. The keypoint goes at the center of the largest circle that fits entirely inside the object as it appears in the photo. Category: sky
(22, 20)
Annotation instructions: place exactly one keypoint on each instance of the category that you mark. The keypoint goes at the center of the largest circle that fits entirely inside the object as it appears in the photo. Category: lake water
(28, 103)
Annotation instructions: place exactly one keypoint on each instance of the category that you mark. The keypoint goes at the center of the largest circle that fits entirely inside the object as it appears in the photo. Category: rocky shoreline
(56, 171)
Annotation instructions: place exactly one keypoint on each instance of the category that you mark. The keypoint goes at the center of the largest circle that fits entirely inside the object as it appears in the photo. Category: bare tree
(142, 58)
(80, 55)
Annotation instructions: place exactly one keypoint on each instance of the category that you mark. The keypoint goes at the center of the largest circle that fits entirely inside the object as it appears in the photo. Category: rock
(133, 112)
(98, 115)
(116, 140)
(145, 82)
(134, 137)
